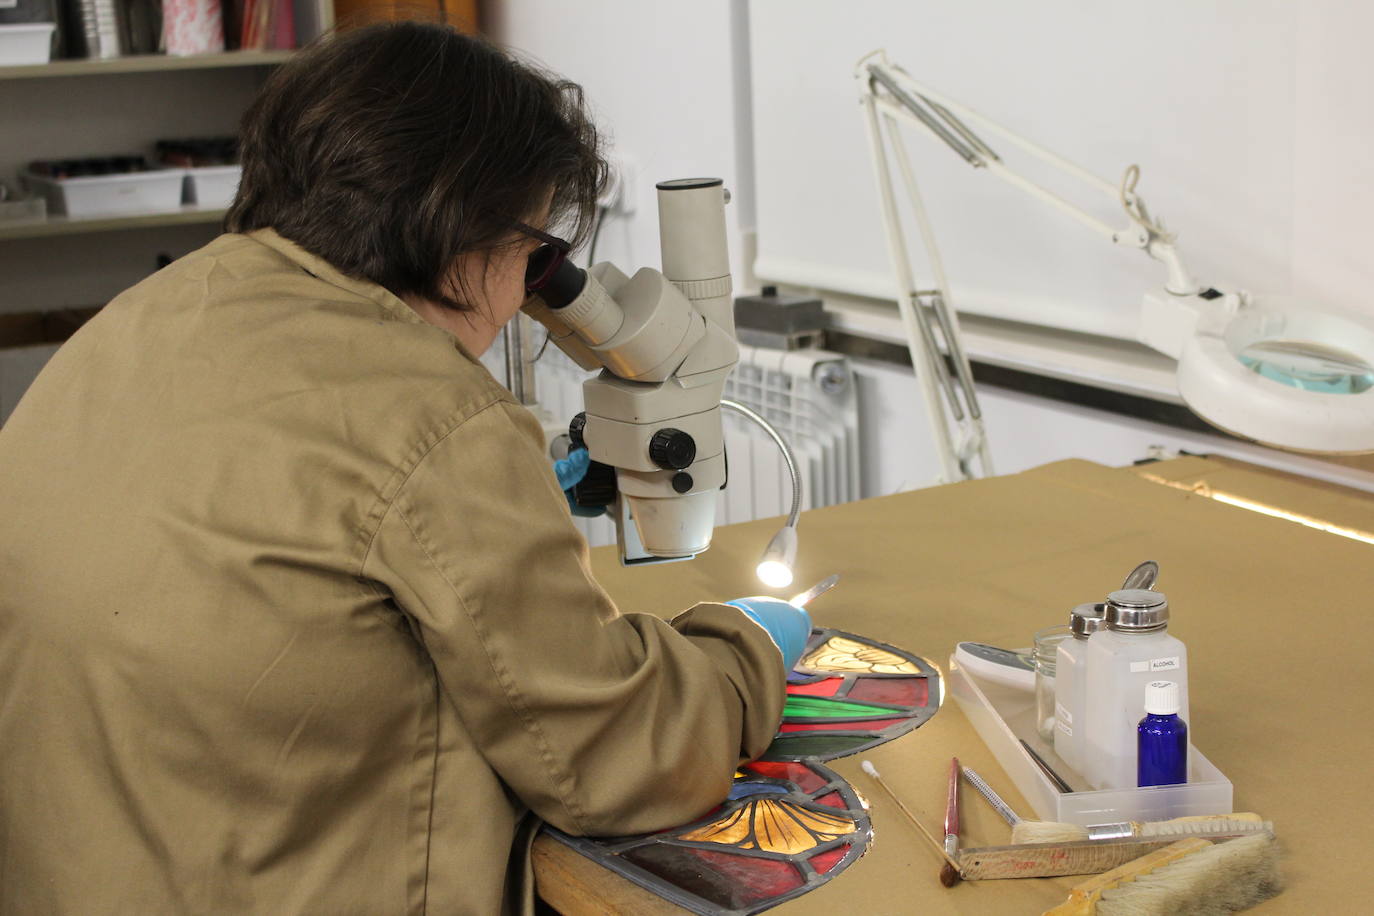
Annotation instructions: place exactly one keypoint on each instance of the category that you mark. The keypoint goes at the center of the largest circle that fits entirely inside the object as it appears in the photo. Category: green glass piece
(826, 708)
(811, 744)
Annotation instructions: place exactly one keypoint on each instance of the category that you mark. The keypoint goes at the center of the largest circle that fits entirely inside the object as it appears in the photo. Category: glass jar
(1046, 653)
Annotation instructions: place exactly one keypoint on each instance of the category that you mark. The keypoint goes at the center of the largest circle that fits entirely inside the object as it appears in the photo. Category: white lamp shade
(1223, 390)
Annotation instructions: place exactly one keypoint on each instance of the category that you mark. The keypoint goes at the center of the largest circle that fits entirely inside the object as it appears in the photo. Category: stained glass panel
(789, 823)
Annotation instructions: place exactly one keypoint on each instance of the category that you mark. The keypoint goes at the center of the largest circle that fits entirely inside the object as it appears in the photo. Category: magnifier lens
(1308, 366)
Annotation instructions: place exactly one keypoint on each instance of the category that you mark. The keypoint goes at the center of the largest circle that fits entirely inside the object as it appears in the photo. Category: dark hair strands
(392, 149)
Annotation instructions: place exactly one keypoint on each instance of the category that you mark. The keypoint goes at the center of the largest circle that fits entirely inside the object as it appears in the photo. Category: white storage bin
(101, 195)
(26, 209)
(1001, 715)
(212, 185)
(25, 43)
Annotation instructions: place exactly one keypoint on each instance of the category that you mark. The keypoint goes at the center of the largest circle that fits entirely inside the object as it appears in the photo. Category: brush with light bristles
(1192, 877)
(1024, 831)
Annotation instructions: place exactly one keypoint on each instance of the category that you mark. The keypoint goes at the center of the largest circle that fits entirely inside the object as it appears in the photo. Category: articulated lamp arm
(896, 94)
(1295, 378)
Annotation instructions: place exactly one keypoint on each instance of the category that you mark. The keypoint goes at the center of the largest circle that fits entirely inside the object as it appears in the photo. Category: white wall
(671, 83)
(661, 79)
(1248, 118)
(1025, 431)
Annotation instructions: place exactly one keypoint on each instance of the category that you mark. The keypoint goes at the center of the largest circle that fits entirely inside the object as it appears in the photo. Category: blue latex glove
(788, 625)
(570, 471)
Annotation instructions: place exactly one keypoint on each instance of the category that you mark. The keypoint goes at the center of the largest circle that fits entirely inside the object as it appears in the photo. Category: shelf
(62, 225)
(145, 63)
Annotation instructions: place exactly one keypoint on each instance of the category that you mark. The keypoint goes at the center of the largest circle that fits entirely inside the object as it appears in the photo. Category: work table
(1275, 615)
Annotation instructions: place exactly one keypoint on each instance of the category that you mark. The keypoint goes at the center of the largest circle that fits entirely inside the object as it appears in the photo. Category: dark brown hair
(392, 149)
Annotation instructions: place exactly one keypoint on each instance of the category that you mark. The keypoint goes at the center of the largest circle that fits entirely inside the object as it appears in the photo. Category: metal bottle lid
(1137, 609)
(1087, 619)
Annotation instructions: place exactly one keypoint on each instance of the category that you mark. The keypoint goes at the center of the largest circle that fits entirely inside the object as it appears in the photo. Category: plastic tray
(134, 192)
(212, 185)
(25, 43)
(1001, 715)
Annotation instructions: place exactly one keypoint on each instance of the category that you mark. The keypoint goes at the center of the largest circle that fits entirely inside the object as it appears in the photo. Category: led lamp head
(775, 568)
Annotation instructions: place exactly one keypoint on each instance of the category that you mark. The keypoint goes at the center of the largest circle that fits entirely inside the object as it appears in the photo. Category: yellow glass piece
(840, 654)
(774, 825)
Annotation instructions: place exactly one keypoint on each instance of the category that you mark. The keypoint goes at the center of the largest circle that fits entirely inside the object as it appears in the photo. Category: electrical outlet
(619, 195)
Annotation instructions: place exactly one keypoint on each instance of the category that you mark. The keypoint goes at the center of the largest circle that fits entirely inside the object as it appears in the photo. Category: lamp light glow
(775, 568)
(774, 574)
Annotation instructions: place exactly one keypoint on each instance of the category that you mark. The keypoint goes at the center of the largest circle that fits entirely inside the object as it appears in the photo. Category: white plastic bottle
(1070, 685)
(1132, 650)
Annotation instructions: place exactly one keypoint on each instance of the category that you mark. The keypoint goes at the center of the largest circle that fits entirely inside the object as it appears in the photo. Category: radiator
(809, 395)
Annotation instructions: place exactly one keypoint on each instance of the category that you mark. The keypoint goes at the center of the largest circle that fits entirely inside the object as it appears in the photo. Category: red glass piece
(822, 688)
(804, 778)
(822, 862)
(833, 799)
(728, 880)
(867, 725)
(896, 691)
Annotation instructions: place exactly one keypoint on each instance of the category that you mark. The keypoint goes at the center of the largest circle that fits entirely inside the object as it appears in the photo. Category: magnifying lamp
(1284, 377)
(1278, 372)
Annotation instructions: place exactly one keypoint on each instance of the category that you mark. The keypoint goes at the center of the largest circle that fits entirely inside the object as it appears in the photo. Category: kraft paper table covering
(1278, 618)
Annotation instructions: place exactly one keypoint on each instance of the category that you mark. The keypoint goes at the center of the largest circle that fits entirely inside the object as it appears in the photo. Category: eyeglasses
(545, 260)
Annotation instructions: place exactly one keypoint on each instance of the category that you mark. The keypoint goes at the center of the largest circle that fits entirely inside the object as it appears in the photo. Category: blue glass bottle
(1161, 738)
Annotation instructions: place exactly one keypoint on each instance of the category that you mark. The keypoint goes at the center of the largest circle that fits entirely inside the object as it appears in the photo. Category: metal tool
(1059, 782)
(985, 790)
(815, 591)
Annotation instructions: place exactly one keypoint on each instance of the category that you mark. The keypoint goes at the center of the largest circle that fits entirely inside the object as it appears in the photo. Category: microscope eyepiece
(556, 285)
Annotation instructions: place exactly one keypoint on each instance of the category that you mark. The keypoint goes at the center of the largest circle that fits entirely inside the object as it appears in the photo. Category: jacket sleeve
(602, 723)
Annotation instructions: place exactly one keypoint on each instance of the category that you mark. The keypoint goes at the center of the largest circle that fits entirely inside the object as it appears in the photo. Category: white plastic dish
(100, 195)
(212, 185)
(25, 43)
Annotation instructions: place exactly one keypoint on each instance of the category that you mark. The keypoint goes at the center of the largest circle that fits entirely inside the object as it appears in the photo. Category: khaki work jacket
(293, 619)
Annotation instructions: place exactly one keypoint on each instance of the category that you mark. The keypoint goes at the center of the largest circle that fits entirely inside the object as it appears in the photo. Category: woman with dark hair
(293, 617)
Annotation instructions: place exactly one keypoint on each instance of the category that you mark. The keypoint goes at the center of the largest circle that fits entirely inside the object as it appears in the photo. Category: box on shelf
(24, 209)
(1002, 715)
(25, 43)
(124, 194)
(212, 185)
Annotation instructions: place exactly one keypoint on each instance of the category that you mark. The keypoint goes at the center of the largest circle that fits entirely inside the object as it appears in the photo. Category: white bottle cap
(1161, 698)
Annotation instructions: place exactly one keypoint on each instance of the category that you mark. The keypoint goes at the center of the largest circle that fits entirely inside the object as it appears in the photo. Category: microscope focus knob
(672, 449)
(575, 428)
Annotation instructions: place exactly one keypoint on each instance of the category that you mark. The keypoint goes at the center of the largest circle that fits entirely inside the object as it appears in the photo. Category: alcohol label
(1156, 664)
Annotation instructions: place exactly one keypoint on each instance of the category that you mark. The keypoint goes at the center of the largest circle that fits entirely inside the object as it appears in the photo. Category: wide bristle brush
(1192, 877)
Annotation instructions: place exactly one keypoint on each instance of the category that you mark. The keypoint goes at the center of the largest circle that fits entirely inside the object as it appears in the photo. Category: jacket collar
(321, 269)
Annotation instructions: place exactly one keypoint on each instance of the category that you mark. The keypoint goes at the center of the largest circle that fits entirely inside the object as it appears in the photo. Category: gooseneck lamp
(775, 567)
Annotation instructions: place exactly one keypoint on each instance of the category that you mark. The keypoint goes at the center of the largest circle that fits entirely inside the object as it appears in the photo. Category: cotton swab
(872, 771)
